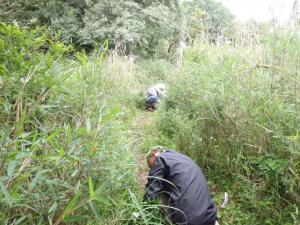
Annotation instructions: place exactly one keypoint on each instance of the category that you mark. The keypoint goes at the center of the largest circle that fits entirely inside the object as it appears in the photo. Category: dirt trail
(138, 128)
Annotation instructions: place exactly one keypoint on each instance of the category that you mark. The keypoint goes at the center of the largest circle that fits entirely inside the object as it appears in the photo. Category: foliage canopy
(129, 25)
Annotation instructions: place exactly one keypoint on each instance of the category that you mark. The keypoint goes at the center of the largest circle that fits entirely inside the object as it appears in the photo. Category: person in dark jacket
(181, 185)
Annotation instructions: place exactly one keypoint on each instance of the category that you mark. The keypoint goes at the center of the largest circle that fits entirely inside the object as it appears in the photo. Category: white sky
(260, 10)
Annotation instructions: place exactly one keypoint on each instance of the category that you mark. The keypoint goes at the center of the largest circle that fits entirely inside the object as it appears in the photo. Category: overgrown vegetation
(67, 148)
(62, 131)
(235, 110)
(130, 26)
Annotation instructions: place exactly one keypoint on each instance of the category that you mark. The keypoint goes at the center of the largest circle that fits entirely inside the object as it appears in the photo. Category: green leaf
(38, 179)
(20, 220)
(11, 168)
(20, 125)
(53, 135)
(7, 196)
(88, 125)
(78, 219)
(52, 208)
(95, 210)
(72, 204)
(91, 187)
(99, 193)
(61, 152)
(69, 135)
(28, 207)
(111, 114)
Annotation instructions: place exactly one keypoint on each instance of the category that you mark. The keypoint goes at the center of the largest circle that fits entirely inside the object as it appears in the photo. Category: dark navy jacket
(183, 181)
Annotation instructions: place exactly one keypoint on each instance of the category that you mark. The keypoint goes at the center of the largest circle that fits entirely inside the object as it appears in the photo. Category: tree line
(129, 26)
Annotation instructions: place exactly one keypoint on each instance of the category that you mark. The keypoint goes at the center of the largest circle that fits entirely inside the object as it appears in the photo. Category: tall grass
(235, 110)
(66, 143)
(65, 151)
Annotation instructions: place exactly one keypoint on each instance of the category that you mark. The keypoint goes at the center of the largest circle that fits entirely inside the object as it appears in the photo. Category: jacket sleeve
(155, 186)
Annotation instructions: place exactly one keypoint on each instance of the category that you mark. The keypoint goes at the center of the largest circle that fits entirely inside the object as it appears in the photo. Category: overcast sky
(260, 10)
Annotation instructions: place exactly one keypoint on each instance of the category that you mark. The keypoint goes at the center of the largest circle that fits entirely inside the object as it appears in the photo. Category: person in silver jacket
(153, 96)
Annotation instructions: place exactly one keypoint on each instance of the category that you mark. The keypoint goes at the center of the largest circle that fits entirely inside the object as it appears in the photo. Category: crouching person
(153, 96)
(181, 185)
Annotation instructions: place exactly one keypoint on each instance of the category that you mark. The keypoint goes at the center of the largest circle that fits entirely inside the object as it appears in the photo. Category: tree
(121, 22)
(295, 13)
(207, 16)
(128, 24)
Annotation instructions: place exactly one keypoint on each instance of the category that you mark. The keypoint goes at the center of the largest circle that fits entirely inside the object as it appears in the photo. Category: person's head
(161, 90)
(153, 154)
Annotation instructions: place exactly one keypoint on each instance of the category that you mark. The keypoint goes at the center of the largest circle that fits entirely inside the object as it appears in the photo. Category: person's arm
(155, 186)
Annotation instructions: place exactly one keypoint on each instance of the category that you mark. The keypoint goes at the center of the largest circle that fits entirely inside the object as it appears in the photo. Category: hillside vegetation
(69, 145)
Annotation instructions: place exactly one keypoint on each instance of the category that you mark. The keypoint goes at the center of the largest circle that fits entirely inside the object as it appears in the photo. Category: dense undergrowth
(235, 110)
(67, 150)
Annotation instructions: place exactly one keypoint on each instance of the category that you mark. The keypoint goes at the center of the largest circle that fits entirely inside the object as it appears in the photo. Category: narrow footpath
(138, 131)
